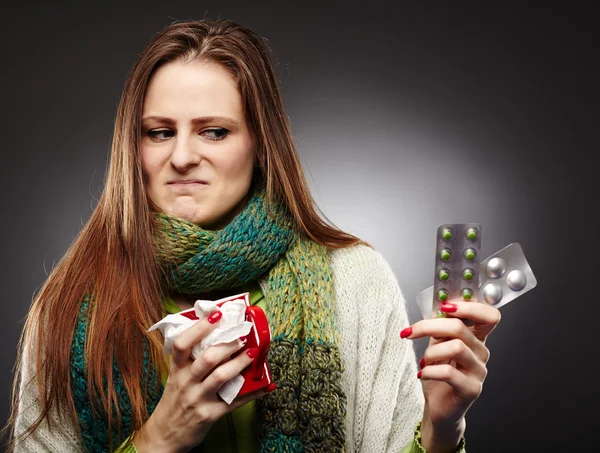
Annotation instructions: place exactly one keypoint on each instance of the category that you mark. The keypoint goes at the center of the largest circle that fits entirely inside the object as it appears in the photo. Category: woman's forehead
(184, 91)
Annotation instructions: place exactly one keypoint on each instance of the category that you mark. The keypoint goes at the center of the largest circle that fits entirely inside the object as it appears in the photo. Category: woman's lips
(184, 186)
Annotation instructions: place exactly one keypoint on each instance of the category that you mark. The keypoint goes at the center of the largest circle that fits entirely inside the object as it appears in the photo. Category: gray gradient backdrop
(405, 117)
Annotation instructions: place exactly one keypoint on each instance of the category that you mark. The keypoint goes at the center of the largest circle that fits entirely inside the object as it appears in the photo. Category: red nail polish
(215, 317)
(406, 332)
(419, 374)
(271, 387)
(448, 308)
(422, 362)
(252, 352)
(244, 338)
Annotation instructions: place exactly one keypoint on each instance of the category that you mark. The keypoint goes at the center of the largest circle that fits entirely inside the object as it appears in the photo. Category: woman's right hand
(189, 404)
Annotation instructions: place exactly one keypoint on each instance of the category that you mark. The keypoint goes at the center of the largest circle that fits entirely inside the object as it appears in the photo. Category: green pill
(441, 314)
(444, 275)
(468, 274)
(445, 254)
(470, 254)
(447, 234)
(471, 234)
(442, 294)
(467, 294)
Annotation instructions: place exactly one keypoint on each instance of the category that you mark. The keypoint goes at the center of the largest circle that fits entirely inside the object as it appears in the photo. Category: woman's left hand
(453, 366)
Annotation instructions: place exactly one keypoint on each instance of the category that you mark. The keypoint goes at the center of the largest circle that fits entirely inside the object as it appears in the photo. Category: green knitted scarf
(306, 413)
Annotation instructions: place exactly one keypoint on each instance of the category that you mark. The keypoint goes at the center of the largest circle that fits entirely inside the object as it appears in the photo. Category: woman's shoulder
(364, 272)
(361, 264)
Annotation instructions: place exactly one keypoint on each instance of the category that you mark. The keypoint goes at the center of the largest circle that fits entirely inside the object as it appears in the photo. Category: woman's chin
(194, 214)
(186, 213)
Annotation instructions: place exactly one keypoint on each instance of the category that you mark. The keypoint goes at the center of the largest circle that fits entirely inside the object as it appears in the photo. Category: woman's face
(196, 150)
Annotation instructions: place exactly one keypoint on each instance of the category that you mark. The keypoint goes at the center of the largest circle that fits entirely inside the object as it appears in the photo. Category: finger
(439, 328)
(467, 387)
(228, 370)
(444, 329)
(484, 316)
(239, 401)
(212, 357)
(455, 350)
(183, 344)
(245, 399)
(214, 407)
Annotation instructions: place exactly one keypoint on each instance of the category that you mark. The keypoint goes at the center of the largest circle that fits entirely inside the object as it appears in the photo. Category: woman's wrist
(438, 439)
(147, 439)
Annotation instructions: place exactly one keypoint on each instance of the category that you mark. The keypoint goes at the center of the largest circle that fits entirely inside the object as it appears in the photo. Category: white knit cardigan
(384, 397)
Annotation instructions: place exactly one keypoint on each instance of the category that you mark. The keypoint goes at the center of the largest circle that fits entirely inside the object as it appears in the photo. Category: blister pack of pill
(504, 276)
(457, 263)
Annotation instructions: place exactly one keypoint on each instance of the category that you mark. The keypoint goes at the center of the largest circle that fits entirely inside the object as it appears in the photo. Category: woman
(205, 197)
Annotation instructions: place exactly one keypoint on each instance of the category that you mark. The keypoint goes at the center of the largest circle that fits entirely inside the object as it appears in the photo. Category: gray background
(405, 117)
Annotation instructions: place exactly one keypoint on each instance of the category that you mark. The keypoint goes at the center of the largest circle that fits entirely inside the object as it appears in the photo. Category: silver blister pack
(508, 273)
(504, 276)
(457, 263)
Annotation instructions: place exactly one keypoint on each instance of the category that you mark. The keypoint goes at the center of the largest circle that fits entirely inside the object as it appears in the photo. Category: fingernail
(252, 352)
(406, 332)
(422, 362)
(448, 308)
(419, 374)
(244, 338)
(271, 387)
(215, 317)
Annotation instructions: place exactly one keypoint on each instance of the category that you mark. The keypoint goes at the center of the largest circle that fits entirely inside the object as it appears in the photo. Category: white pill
(492, 293)
(516, 280)
(496, 267)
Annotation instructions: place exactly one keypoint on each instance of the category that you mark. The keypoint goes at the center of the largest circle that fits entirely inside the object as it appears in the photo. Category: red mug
(257, 375)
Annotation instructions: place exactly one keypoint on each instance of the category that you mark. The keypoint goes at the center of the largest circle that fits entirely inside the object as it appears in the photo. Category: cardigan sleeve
(385, 397)
(396, 373)
(58, 436)
(398, 364)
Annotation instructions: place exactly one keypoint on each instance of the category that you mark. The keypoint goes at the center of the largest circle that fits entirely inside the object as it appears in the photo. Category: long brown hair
(113, 256)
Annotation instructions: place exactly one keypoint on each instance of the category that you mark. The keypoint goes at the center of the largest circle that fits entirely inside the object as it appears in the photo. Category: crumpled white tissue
(231, 326)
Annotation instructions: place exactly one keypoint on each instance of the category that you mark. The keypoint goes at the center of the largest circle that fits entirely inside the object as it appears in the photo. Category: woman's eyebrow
(195, 121)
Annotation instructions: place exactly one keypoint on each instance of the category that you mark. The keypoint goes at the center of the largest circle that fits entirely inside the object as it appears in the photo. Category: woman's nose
(185, 155)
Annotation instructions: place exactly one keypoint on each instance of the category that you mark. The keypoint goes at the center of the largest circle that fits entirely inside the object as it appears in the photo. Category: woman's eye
(213, 134)
(222, 133)
(155, 134)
